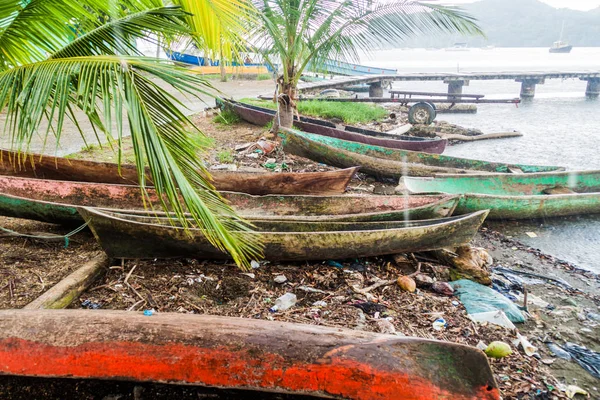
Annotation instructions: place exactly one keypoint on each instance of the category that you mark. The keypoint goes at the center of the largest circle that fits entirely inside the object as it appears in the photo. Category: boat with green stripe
(524, 196)
(388, 162)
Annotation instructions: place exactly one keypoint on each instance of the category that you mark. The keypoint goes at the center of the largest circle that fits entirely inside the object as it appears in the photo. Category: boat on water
(561, 46)
(262, 116)
(257, 183)
(131, 236)
(387, 162)
(239, 353)
(513, 196)
(56, 202)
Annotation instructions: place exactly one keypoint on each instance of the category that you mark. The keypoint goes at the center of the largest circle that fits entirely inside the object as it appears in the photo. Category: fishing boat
(511, 196)
(239, 353)
(123, 235)
(47, 167)
(56, 201)
(387, 162)
(262, 116)
(561, 46)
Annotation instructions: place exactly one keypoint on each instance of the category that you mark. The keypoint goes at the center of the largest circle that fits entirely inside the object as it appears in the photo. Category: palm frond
(117, 36)
(218, 27)
(104, 86)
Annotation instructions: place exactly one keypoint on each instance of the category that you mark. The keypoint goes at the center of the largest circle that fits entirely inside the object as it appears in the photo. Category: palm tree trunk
(286, 106)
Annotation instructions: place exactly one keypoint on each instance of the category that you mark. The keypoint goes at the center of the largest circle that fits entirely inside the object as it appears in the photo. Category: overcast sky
(583, 5)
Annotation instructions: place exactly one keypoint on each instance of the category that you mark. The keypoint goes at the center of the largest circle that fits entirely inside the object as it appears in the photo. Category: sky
(583, 5)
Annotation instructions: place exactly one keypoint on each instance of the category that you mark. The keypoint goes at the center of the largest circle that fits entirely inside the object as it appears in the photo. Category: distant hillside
(524, 23)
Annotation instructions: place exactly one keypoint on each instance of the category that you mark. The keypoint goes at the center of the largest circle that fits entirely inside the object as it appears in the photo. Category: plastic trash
(588, 359)
(320, 303)
(254, 264)
(439, 324)
(148, 313)
(479, 298)
(280, 279)
(493, 317)
(336, 264)
(528, 348)
(559, 351)
(284, 302)
(572, 390)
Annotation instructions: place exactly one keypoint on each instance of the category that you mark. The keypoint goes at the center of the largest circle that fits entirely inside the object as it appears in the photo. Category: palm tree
(299, 33)
(77, 60)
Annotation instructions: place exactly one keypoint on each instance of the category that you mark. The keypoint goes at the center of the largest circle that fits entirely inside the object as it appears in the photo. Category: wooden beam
(64, 292)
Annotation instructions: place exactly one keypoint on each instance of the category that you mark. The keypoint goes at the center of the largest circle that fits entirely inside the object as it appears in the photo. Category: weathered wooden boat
(47, 167)
(56, 201)
(133, 236)
(544, 195)
(383, 161)
(240, 353)
(262, 116)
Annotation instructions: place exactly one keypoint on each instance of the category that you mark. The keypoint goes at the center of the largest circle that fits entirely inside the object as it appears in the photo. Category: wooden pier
(456, 82)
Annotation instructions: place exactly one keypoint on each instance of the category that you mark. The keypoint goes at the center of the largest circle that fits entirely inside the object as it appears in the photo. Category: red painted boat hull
(238, 353)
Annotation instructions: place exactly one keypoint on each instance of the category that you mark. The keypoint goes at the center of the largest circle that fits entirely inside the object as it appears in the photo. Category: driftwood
(466, 262)
(64, 292)
(239, 353)
(485, 136)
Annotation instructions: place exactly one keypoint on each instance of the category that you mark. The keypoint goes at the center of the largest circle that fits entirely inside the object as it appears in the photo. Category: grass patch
(264, 77)
(350, 113)
(225, 156)
(226, 117)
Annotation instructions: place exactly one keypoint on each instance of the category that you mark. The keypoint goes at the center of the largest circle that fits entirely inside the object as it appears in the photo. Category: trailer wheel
(421, 114)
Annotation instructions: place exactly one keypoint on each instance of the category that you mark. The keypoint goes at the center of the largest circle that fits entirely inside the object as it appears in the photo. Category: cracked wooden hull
(262, 116)
(237, 353)
(132, 236)
(56, 201)
(518, 196)
(382, 161)
(47, 167)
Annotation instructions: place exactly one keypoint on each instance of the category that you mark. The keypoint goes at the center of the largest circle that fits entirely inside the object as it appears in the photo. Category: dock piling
(593, 87)
(528, 87)
(455, 87)
(375, 89)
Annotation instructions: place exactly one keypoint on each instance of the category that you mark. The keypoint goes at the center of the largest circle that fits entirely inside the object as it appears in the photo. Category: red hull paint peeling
(221, 367)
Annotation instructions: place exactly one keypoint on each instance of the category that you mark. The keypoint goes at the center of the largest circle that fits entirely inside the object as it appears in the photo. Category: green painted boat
(383, 161)
(56, 201)
(522, 196)
(135, 236)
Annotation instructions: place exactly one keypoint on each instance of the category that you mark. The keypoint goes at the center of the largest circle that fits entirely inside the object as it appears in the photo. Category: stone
(280, 279)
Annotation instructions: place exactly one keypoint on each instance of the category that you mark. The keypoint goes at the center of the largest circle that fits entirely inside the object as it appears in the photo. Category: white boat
(561, 46)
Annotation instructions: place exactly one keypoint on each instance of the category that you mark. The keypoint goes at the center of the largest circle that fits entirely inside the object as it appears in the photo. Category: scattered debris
(498, 349)
(284, 302)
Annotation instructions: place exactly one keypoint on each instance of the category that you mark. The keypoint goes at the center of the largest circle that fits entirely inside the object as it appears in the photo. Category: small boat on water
(383, 161)
(513, 196)
(123, 235)
(56, 202)
(561, 46)
(262, 116)
(48, 167)
(239, 353)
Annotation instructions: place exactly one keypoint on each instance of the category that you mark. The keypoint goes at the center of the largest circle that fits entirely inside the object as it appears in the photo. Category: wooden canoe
(48, 167)
(132, 236)
(544, 195)
(262, 116)
(240, 353)
(383, 161)
(56, 202)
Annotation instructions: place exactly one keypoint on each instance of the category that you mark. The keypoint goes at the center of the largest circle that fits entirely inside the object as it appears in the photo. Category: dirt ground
(325, 291)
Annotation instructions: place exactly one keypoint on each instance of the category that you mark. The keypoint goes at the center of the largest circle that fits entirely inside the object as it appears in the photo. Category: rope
(65, 237)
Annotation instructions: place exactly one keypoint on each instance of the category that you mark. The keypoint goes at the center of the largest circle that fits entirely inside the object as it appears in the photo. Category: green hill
(524, 23)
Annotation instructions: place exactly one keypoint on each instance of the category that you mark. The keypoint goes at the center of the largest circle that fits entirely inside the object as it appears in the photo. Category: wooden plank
(409, 93)
(240, 353)
(64, 292)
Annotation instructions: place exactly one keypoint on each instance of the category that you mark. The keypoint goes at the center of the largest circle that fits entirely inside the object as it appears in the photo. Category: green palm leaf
(46, 91)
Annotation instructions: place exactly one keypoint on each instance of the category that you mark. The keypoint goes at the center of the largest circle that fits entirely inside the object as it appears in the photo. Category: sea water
(560, 127)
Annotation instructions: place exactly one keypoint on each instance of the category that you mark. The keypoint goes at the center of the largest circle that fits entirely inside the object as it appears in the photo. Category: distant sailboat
(561, 46)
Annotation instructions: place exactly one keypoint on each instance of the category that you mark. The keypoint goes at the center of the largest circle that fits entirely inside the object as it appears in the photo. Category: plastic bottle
(284, 302)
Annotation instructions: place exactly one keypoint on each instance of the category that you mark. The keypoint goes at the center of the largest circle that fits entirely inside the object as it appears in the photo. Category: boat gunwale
(447, 221)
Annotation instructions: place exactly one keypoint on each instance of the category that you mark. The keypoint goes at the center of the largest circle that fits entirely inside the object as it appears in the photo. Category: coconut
(498, 350)
(407, 284)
